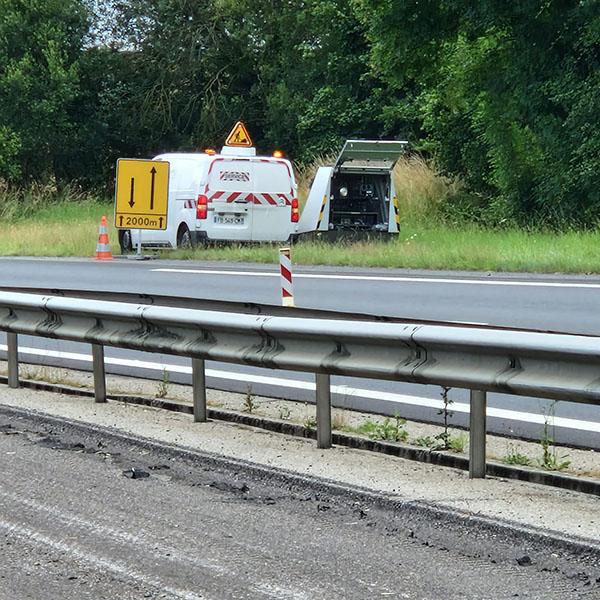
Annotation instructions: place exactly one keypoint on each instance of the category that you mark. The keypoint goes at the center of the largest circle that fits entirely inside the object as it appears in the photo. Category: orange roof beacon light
(278, 154)
(210, 151)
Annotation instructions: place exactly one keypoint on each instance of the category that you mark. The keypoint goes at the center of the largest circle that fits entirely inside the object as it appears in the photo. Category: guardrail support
(12, 344)
(99, 373)
(199, 390)
(477, 431)
(323, 410)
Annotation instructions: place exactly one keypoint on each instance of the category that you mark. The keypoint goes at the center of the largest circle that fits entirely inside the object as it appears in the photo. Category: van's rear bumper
(202, 238)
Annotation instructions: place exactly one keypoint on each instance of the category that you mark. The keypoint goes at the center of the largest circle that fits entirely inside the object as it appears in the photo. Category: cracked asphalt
(89, 513)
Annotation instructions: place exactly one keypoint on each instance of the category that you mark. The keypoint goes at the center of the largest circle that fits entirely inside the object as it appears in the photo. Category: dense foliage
(505, 95)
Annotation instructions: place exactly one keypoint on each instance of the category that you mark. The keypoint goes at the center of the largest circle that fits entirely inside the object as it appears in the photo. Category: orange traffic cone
(103, 248)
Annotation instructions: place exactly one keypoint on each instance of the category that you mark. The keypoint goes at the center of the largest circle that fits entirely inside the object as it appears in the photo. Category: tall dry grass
(45, 220)
(422, 190)
(21, 203)
(305, 173)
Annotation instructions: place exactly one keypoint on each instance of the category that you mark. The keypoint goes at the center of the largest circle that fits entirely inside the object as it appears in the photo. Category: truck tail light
(295, 211)
(202, 207)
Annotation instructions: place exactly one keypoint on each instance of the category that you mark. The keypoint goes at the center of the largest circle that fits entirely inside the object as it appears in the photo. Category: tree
(40, 45)
(506, 94)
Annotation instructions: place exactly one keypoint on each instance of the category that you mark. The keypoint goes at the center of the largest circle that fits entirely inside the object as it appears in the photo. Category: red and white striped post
(285, 268)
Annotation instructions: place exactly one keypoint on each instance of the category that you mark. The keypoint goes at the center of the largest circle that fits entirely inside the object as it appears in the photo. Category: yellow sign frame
(239, 137)
(141, 194)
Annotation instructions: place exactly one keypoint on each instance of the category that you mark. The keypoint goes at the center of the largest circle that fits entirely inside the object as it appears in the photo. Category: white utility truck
(233, 196)
(356, 197)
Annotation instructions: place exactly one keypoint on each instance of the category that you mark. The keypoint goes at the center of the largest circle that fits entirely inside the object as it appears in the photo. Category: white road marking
(102, 564)
(342, 390)
(151, 546)
(394, 278)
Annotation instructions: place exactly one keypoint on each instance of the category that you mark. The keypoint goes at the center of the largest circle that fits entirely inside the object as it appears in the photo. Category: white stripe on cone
(285, 268)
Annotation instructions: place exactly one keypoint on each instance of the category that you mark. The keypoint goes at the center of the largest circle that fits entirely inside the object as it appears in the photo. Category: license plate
(229, 220)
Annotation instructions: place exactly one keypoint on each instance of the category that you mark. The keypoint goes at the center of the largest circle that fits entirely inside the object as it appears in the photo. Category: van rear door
(274, 191)
(230, 199)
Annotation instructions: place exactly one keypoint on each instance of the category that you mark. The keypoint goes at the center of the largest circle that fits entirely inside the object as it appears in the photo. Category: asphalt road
(547, 303)
(541, 302)
(73, 525)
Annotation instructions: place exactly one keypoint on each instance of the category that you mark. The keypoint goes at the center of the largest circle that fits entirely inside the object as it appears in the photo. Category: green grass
(63, 228)
(391, 430)
(514, 457)
(70, 228)
(422, 246)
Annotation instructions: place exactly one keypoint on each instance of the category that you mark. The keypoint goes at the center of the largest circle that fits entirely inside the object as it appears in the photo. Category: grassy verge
(420, 246)
(46, 221)
(71, 229)
(60, 229)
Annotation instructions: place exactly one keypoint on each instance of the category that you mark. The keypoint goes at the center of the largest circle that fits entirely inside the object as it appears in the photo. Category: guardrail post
(323, 410)
(199, 389)
(12, 344)
(99, 373)
(477, 431)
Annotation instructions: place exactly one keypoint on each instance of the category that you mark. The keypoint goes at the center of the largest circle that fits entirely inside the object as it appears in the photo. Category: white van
(233, 196)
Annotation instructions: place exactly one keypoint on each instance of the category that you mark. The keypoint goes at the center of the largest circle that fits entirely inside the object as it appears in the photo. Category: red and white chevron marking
(287, 285)
(252, 198)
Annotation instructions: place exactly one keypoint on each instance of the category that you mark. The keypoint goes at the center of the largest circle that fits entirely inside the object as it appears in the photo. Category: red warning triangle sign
(239, 136)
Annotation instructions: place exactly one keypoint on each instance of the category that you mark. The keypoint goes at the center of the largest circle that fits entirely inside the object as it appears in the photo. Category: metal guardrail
(556, 366)
(250, 308)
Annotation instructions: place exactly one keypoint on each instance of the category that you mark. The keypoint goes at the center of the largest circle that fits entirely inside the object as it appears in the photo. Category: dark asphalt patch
(226, 486)
(134, 473)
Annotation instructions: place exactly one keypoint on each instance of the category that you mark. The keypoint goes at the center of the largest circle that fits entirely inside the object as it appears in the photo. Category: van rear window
(272, 177)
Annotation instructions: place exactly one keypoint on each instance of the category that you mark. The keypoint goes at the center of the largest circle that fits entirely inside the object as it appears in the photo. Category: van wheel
(125, 241)
(184, 237)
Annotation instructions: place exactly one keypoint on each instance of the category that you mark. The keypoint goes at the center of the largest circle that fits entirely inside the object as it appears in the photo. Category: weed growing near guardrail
(444, 437)
(51, 375)
(339, 420)
(425, 441)
(310, 422)
(514, 457)
(457, 443)
(162, 388)
(443, 441)
(285, 413)
(250, 404)
(391, 430)
(550, 459)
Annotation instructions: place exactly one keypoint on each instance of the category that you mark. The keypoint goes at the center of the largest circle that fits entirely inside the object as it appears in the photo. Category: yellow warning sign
(239, 136)
(142, 194)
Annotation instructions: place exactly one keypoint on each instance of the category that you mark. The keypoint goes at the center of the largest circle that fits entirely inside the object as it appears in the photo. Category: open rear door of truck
(369, 156)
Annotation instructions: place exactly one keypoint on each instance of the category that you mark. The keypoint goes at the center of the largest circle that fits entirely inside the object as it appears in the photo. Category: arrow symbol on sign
(153, 171)
(160, 220)
(120, 221)
(131, 200)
